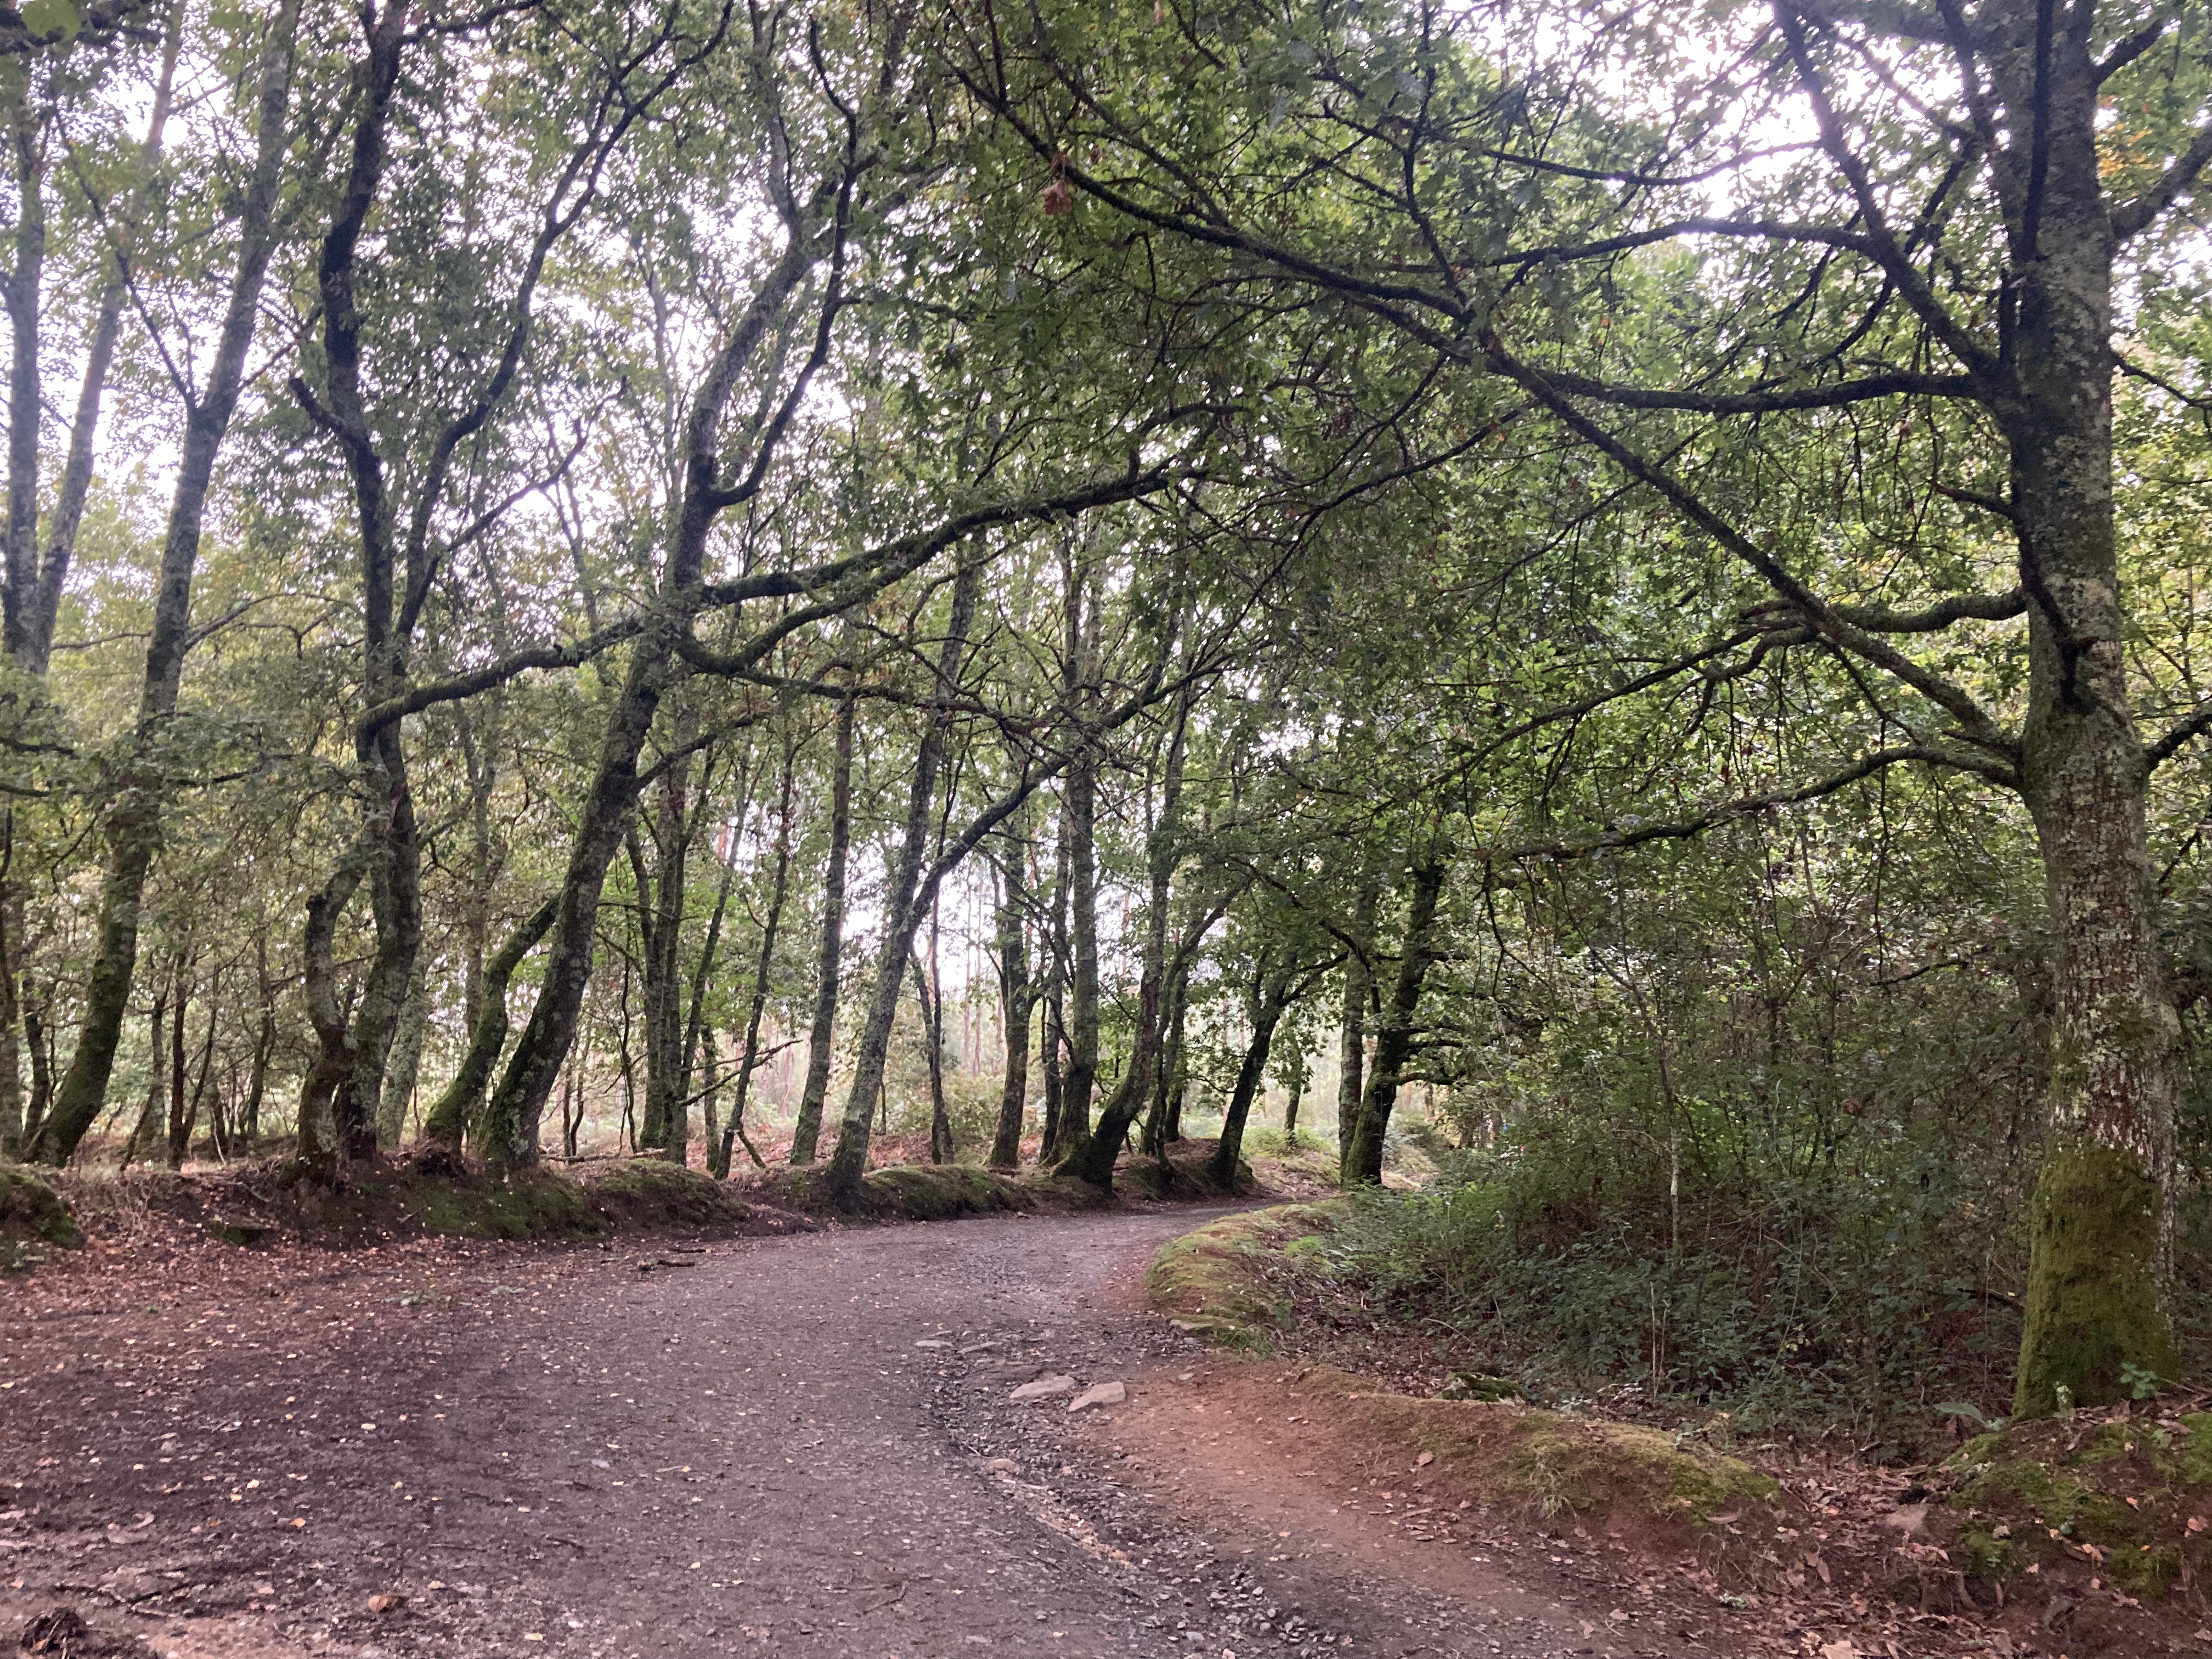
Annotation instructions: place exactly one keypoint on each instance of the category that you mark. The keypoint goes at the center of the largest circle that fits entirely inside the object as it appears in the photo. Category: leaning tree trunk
(806, 1132)
(1270, 994)
(449, 1119)
(1393, 1042)
(134, 825)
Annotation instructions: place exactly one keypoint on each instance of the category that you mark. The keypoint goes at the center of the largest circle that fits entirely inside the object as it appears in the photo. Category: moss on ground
(1213, 1282)
(1509, 1453)
(33, 1216)
(537, 1204)
(898, 1192)
(2130, 1496)
(651, 1192)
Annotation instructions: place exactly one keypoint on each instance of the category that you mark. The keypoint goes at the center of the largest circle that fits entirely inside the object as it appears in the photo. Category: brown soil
(774, 1445)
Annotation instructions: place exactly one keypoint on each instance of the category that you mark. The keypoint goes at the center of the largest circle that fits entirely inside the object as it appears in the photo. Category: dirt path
(793, 1445)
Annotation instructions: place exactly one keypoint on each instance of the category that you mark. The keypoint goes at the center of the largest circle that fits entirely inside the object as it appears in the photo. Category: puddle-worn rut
(793, 1445)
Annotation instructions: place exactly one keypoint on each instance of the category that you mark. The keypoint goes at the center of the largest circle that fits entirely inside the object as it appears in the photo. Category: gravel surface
(795, 1445)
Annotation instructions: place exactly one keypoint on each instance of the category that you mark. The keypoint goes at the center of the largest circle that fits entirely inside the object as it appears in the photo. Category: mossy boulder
(1213, 1282)
(33, 1216)
(2128, 1496)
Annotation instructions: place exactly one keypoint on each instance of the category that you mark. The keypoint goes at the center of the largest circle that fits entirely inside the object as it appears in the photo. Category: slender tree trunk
(850, 1163)
(1094, 1156)
(941, 1149)
(12, 1129)
(806, 1131)
(451, 1116)
(22, 290)
(38, 1040)
(1052, 1044)
(1271, 991)
(1296, 1085)
(1393, 1042)
(135, 821)
(749, 1055)
(179, 1126)
(152, 1116)
(1352, 1039)
(180, 1133)
(1015, 999)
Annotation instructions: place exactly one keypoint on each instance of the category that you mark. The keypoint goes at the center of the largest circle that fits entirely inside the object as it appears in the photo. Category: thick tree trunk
(2097, 1320)
(806, 1132)
(135, 821)
(1393, 1042)
(406, 1062)
(902, 899)
(22, 289)
(1351, 1032)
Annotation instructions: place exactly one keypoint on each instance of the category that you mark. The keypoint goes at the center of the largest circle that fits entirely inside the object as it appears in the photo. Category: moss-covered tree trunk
(454, 1113)
(134, 824)
(1270, 995)
(2097, 1315)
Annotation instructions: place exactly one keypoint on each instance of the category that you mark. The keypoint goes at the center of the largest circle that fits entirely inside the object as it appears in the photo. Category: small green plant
(2140, 1381)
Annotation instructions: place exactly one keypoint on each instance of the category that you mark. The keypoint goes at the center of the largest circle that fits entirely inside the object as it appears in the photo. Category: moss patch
(33, 1216)
(2094, 1321)
(1213, 1283)
(2119, 1495)
(1187, 1173)
(1609, 1474)
(650, 1192)
(898, 1192)
(534, 1205)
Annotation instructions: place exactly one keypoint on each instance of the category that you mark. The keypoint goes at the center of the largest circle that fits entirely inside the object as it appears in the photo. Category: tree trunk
(2098, 1320)
(135, 821)
(941, 1149)
(1052, 1041)
(154, 1116)
(1270, 994)
(749, 1056)
(21, 289)
(806, 1131)
(183, 1107)
(1351, 1038)
(1094, 1156)
(13, 1130)
(450, 1118)
(1393, 1042)
(406, 1063)
(1015, 999)
(902, 895)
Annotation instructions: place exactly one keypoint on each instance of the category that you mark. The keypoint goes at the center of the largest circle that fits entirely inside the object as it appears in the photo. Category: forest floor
(801, 1444)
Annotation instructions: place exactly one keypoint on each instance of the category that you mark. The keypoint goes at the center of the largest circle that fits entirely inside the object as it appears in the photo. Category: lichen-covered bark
(2095, 1299)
